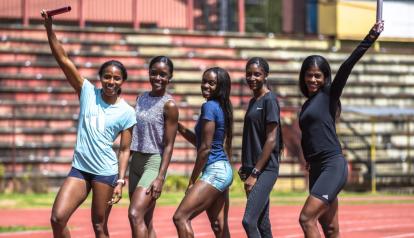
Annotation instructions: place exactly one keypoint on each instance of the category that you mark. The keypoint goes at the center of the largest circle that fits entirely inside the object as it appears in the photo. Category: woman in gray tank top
(152, 146)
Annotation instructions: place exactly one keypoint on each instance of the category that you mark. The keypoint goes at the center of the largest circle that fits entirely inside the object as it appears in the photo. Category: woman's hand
(376, 30)
(378, 27)
(242, 174)
(156, 187)
(116, 195)
(48, 20)
(249, 184)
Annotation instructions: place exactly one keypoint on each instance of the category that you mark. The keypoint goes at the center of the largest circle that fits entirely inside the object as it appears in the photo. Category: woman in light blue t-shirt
(212, 137)
(103, 116)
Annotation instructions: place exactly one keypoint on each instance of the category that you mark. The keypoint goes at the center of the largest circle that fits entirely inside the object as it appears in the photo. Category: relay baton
(379, 10)
(58, 11)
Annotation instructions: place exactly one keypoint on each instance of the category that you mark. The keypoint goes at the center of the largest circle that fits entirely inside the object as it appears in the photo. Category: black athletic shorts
(327, 177)
(77, 173)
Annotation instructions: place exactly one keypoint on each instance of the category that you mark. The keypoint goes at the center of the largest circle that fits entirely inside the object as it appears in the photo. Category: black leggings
(256, 220)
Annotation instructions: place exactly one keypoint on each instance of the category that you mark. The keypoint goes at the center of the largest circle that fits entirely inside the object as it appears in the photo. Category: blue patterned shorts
(218, 174)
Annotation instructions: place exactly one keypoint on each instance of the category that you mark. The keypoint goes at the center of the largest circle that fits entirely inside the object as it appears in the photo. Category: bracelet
(121, 181)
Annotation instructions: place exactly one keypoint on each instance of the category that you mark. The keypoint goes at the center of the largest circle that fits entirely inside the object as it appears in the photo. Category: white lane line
(342, 231)
(400, 236)
(368, 221)
(293, 236)
(382, 227)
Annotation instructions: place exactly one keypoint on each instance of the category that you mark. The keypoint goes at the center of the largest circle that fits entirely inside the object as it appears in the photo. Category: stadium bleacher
(38, 108)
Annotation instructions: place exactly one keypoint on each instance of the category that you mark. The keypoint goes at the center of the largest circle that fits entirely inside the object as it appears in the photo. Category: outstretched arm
(187, 134)
(345, 70)
(68, 67)
(207, 133)
(171, 122)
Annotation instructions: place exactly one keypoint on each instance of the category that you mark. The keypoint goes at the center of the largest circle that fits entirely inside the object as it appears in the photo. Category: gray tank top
(148, 133)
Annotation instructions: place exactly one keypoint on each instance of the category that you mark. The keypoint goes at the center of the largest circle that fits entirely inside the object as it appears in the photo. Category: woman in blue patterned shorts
(214, 128)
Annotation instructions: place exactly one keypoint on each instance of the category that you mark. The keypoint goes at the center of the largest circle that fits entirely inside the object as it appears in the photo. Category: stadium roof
(381, 111)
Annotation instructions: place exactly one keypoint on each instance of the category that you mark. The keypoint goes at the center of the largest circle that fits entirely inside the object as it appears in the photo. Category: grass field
(9, 229)
(18, 201)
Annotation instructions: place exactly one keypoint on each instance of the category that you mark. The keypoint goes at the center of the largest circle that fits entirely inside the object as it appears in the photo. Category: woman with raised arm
(152, 145)
(261, 146)
(321, 148)
(212, 138)
(103, 116)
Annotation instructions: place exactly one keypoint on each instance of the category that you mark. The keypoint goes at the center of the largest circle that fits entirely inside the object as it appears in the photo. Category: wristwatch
(255, 173)
(121, 181)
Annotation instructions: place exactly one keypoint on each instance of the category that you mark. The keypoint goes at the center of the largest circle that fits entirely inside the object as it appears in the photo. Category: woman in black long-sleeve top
(320, 144)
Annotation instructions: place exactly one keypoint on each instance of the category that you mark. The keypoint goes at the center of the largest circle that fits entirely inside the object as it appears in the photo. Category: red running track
(368, 221)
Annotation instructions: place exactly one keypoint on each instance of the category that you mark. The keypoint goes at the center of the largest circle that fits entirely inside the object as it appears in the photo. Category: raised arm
(344, 71)
(171, 124)
(68, 67)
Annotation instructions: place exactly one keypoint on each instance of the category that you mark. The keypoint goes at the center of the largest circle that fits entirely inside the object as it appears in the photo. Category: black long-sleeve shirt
(317, 117)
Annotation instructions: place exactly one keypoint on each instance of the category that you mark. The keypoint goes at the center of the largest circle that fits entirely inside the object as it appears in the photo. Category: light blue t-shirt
(211, 111)
(99, 125)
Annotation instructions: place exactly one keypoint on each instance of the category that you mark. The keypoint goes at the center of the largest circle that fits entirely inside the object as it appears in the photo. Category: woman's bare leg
(199, 198)
(71, 195)
(329, 221)
(218, 215)
(141, 204)
(311, 211)
(102, 194)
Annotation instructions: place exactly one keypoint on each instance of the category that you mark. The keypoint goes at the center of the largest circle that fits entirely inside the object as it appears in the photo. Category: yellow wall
(346, 19)
(327, 18)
